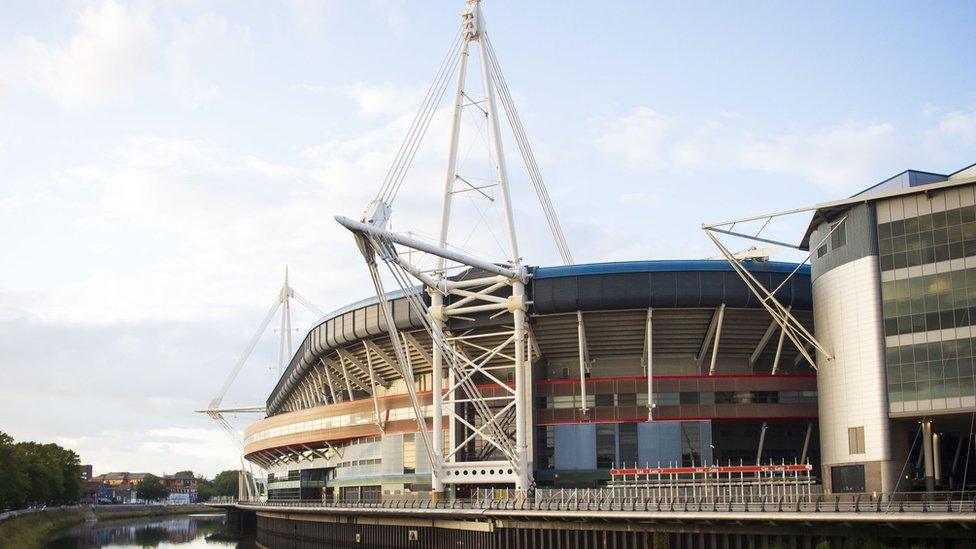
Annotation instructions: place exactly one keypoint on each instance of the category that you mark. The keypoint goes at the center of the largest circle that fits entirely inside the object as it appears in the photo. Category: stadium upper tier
(613, 298)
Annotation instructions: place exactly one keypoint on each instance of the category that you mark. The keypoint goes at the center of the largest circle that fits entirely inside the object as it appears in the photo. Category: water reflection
(187, 531)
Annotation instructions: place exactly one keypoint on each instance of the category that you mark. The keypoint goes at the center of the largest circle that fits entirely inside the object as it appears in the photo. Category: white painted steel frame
(282, 303)
(502, 294)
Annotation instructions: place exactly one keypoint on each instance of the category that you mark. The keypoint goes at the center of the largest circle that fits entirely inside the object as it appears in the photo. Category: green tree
(14, 482)
(32, 473)
(70, 465)
(225, 483)
(205, 489)
(44, 471)
(151, 489)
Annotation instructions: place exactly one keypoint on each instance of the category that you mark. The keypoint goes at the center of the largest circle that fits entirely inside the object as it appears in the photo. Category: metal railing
(223, 500)
(609, 500)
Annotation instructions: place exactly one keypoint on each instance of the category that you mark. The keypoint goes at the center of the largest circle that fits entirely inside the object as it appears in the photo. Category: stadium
(490, 402)
(854, 365)
(726, 386)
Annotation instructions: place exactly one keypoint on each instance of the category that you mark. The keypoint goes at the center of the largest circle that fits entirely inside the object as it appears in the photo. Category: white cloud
(112, 49)
(640, 199)
(838, 159)
(272, 170)
(199, 51)
(125, 52)
(383, 99)
(641, 137)
(959, 127)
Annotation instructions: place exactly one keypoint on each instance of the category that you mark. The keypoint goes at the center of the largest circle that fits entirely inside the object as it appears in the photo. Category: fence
(610, 499)
(790, 482)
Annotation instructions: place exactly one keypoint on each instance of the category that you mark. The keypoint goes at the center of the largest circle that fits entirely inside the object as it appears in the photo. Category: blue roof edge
(667, 265)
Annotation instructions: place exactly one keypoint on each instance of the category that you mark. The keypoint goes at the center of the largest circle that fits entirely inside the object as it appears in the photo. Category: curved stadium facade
(725, 386)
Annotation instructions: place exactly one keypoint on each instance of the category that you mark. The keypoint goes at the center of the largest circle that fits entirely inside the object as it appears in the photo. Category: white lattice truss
(282, 303)
(499, 428)
(791, 327)
(472, 359)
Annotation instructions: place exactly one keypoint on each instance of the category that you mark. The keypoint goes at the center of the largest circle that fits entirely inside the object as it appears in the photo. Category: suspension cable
(420, 122)
(527, 156)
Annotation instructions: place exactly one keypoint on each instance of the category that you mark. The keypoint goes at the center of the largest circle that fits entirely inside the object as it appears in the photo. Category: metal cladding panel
(861, 233)
(664, 284)
(659, 443)
(575, 447)
(736, 292)
(712, 288)
(663, 289)
(851, 388)
(688, 289)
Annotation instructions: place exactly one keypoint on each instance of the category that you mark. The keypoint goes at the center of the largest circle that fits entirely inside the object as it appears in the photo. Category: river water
(184, 531)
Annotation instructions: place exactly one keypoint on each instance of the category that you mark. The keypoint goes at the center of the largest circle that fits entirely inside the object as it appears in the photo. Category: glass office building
(894, 290)
(927, 261)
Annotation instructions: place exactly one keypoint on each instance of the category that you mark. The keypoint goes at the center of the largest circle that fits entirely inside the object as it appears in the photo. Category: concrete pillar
(937, 458)
(927, 452)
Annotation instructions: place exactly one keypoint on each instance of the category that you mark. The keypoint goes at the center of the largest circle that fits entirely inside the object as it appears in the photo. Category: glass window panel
(925, 222)
(724, 397)
(666, 398)
(690, 443)
(626, 399)
(606, 446)
(891, 326)
(884, 230)
(965, 366)
(953, 217)
(914, 258)
(898, 227)
(905, 354)
(884, 246)
(925, 239)
(918, 323)
(911, 225)
(968, 231)
(967, 214)
(892, 355)
(839, 237)
(956, 250)
(912, 242)
(562, 401)
(951, 369)
(904, 324)
(409, 454)
(628, 443)
(901, 259)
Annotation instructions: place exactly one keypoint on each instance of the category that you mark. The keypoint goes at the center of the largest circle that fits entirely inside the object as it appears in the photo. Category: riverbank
(35, 529)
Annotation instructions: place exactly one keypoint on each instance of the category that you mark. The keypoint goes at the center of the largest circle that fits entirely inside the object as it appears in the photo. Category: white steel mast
(283, 303)
(499, 290)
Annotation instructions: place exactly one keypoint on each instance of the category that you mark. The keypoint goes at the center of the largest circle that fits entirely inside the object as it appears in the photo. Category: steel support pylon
(488, 438)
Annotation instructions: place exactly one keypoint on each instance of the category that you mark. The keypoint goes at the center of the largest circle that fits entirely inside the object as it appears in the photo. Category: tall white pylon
(499, 427)
(283, 303)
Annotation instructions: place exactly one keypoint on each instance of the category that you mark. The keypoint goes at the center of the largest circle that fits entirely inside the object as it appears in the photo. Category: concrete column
(937, 457)
(927, 452)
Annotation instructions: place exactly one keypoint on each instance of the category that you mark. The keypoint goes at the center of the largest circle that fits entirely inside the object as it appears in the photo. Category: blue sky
(161, 163)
